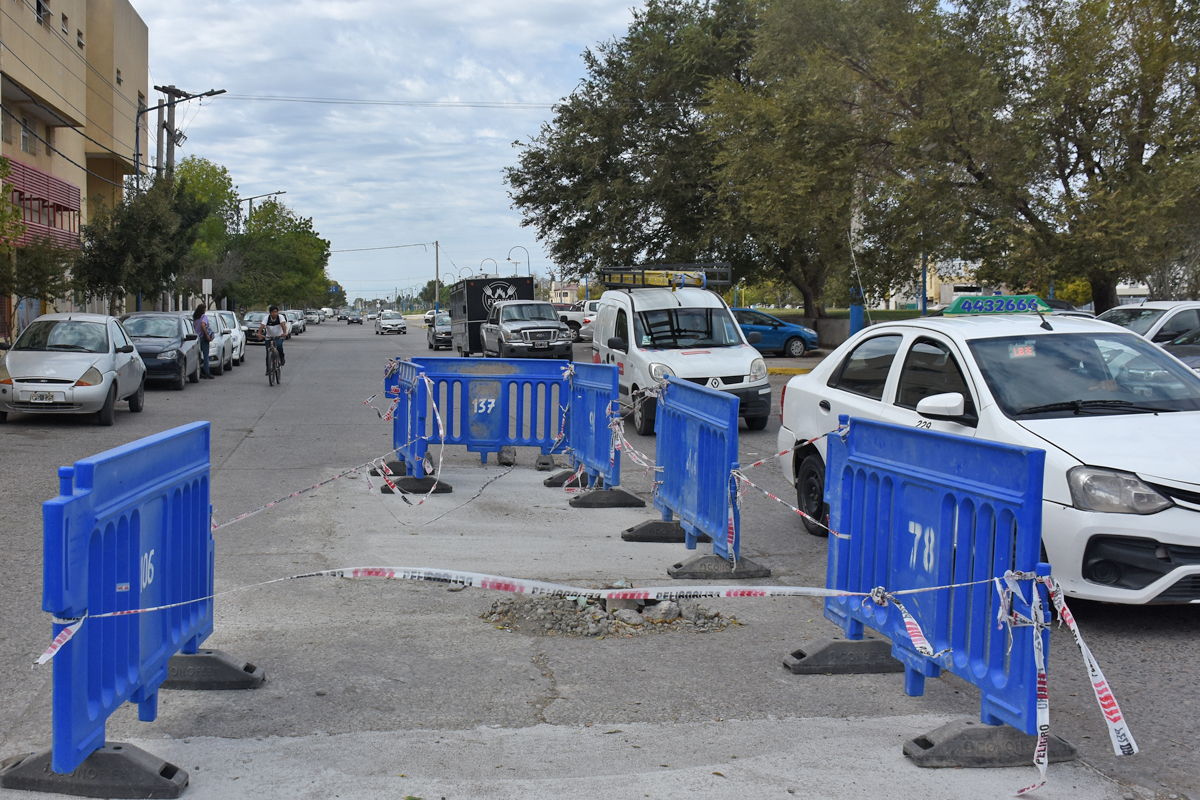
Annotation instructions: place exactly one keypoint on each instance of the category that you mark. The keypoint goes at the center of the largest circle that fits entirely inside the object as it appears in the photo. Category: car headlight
(758, 370)
(5, 377)
(1095, 489)
(167, 355)
(660, 372)
(92, 377)
(564, 336)
(512, 336)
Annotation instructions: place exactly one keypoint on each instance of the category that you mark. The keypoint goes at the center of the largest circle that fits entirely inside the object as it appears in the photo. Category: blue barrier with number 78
(922, 509)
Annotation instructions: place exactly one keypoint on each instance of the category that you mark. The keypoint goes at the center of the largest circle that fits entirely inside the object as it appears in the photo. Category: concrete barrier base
(656, 530)
(713, 566)
(422, 485)
(843, 657)
(563, 478)
(397, 468)
(115, 770)
(544, 463)
(607, 498)
(970, 743)
(211, 669)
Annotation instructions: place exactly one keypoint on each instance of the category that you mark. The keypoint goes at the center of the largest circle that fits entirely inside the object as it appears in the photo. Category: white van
(652, 332)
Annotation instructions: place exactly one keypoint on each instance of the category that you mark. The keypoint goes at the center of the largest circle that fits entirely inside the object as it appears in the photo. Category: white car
(237, 332)
(312, 316)
(296, 323)
(220, 349)
(372, 314)
(1119, 420)
(1158, 320)
(651, 333)
(71, 364)
(391, 322)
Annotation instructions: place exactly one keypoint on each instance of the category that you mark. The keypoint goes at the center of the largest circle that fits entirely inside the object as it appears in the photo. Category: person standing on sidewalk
(204, 333)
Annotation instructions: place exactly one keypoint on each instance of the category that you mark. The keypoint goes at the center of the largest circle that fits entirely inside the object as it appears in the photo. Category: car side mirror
(617, 343)
(754, 337)
(948, 406)
(1167, 336)
(191, 337)
(128, 348)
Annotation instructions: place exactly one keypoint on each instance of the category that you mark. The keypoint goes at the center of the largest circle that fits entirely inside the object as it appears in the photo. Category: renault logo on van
(496, 292)
(714, 383)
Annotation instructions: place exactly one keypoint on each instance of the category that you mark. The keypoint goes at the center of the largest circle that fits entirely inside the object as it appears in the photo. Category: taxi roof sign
(673, 276)
(999, 304)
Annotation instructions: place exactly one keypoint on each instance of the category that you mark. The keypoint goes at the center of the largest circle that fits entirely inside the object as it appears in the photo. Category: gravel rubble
(565, 616)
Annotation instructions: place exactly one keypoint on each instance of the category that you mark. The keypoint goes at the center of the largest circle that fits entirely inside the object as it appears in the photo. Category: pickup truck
(580, 318)
(524, 329)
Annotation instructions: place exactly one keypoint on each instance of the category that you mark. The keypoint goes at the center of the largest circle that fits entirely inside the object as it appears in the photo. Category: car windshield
(678, 328)
(391, 315)
(1191, 337)
(540, 312)
(67, 335)
(256, 316)
(152, 327)
(442, 319)
(1136, 318)
(1069, 374)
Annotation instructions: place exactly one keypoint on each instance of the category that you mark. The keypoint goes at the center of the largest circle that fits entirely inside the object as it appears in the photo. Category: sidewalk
(395, 689)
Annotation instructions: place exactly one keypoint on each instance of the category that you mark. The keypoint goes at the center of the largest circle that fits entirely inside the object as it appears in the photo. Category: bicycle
(273, 365)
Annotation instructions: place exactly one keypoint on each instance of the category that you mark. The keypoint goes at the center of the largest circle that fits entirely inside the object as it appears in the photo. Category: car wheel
(575, 335)
(195, 376)
(219, 369)
(3, 417)
(643, 415)
(757, 423)
(137, 400)
(182, 380)
(795, 347)
(810, 494)
(107, 414)
(431, 347)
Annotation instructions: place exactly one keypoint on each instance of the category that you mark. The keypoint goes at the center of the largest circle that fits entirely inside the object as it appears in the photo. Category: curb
(789, 370)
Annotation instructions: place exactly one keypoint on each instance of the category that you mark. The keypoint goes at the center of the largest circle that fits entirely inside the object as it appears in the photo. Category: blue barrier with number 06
(131, 528)
(924, 509)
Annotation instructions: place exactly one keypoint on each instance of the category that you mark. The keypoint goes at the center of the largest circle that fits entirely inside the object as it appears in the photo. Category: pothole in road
(559, 616)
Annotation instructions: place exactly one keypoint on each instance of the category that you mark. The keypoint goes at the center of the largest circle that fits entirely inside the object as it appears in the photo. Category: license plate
(540, 345)
(41, 397)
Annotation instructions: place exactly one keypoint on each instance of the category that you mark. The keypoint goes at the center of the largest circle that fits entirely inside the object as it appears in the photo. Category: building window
(42, 11)
(66, 27)
(49, 141)
(5, 130)
(26, 137)
(79, 39)
(119, 79)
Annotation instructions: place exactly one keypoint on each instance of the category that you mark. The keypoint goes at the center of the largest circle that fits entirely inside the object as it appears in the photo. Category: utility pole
(175, 96)
(437, 280)
(158, 163)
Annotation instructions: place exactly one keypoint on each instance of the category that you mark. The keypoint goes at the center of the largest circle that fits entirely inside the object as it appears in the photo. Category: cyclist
(274, 328)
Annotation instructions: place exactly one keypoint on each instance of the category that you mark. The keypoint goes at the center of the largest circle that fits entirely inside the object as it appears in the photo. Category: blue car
(781, 337)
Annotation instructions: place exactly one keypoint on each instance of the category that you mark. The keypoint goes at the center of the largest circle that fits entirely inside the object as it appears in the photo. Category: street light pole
(528, 263)
(250, 210)
(494, 261)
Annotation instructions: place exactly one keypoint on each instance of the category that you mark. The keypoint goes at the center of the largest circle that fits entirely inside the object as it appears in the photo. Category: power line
(60, 119)
(344, 101)
(388, 247)
(61, 153)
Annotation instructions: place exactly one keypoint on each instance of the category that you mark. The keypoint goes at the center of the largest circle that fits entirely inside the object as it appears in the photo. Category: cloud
(379, 175)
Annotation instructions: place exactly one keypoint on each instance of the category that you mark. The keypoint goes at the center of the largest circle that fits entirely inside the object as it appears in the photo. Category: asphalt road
(357, 658)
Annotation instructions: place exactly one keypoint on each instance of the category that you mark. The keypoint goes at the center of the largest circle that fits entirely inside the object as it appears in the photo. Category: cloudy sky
(462, 79)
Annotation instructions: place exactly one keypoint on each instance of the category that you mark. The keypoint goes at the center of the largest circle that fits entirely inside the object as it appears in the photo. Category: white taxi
(1119, 420)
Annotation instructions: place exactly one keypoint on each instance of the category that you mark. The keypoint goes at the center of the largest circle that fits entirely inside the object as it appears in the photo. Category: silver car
(237, 332)
(391, 322)
(71, 364)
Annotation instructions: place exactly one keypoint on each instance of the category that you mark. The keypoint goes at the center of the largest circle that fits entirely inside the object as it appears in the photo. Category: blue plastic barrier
(131, 528)
(925, 509)
(485, 404)
(594, 393)
(697, 447)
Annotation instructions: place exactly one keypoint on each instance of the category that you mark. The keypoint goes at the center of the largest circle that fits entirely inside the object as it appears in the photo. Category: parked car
(250, 325)
(784, 338)
(1157, 320)
(524, 329)
(437, 335)
(239, 337)
(169, 347)
(354, 318)
(71, 364)
(391, 322)
(220, 349)
(295, 323)
(1119, 422)
(1186, 348)
(580, 318)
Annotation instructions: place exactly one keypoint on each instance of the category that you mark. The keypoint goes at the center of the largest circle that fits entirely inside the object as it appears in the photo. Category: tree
(283, 259)
(41, 271)
(11, 229)
(209, 186)
(623, 175)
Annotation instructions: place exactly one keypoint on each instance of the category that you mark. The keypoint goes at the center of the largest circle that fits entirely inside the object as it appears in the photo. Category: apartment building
(73, 76)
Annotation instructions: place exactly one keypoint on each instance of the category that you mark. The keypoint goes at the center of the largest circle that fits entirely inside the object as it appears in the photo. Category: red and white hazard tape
(738, 476)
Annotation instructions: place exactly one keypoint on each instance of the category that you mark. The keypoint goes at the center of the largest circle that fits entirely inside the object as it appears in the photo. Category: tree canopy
(809, 141)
